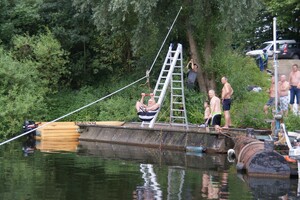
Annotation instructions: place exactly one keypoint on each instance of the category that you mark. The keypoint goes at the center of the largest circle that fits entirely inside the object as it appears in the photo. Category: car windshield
(264, 45)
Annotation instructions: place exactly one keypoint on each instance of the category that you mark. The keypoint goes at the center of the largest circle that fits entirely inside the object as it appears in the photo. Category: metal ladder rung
(174, 102)
(176, 81)
(177, 95)
(175, 117)
(176, 88)
(176, 74)
(178, 110)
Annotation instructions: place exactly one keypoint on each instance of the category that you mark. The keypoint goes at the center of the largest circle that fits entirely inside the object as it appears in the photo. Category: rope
(83, 107)
(165, 39)
(147, 81)
(79, 109)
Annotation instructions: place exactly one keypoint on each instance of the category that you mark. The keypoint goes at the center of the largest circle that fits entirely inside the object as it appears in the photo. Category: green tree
(18, 17)
(22, 92)
(203, 25)
(287, 13)
(46, 52)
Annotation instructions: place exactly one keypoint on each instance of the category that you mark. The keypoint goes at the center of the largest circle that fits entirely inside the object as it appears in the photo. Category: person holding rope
(147, 112)
(192, 73)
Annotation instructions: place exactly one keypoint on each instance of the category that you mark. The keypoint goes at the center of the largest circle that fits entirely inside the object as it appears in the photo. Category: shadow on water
(153, 156)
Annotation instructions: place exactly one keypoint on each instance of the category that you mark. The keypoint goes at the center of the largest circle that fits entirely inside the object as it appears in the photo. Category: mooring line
(83, 107)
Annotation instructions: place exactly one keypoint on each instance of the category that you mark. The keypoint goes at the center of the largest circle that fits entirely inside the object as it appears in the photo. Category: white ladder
(172, 71)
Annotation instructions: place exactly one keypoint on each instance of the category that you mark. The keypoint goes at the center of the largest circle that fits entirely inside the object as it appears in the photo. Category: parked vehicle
(289, 51)
(268, 46)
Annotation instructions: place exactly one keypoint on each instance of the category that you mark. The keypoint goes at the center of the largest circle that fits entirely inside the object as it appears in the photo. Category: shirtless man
(215, 110)
(283, 91)
(271, 91)
(294, 81)
(146, 112)
(227, 92)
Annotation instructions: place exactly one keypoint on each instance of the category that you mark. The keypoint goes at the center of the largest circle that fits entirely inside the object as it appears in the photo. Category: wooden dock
(63, 136)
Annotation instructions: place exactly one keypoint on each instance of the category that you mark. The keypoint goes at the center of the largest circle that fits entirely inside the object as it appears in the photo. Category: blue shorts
(294, 92)
(226, 104)
(271, 101)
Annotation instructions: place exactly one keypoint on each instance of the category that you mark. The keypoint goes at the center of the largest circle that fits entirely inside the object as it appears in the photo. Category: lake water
(107, 171)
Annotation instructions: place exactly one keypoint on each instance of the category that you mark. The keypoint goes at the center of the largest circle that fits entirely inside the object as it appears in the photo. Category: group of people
(287, 91)
(213, 112)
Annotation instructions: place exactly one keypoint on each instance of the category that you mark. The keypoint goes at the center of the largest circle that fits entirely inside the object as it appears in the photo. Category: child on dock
(206, 115)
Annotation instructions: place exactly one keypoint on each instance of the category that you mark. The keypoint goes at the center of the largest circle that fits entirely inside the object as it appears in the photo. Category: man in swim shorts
(294, 81)
(283, 91)
(215, 110)
(227, 92)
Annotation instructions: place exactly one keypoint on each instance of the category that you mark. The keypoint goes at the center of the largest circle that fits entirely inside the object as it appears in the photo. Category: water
(106, 171)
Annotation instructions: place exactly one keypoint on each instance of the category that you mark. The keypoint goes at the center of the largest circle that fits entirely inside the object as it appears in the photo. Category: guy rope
(109, 95)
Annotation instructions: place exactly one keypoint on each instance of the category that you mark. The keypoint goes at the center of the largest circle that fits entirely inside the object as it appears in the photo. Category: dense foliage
(57, 56)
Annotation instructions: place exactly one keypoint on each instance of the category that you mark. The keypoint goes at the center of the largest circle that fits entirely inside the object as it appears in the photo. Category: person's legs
(216, 122)
(298, 98)
(138, 106)
(227, 118)
(270, 102)
(226, 109)
(266, 107)
(292, 97)
(153, 107)
(284, 105)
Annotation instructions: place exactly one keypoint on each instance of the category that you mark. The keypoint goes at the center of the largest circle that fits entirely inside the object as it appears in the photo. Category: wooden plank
(60, 134)
(60, 138)
(45, 131)
(52, 145)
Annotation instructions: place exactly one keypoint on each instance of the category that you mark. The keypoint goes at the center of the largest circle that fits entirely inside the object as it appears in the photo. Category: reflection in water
(151, 188)
(269, 188)
(175, 182)
(212, 188)
(29, 145)
(109, 167)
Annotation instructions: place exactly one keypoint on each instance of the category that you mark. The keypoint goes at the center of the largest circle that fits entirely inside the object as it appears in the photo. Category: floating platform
(162, 136)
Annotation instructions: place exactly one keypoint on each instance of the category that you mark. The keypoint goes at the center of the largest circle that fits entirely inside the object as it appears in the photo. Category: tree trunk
(206, 81)
(195, 57)
(209, 77)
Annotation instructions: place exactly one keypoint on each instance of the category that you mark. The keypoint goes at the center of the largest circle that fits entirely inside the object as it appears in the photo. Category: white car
(269, 47)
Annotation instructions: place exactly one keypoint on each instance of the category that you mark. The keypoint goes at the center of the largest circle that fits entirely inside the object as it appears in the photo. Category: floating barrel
(259, 158)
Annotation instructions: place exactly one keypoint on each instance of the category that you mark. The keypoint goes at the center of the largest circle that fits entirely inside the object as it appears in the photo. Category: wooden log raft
(258, 158)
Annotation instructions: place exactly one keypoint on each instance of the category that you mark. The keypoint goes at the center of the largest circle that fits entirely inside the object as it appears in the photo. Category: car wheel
(296, 57)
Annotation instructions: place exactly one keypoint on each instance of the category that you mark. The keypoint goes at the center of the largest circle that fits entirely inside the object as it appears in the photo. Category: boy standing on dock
(215, 110)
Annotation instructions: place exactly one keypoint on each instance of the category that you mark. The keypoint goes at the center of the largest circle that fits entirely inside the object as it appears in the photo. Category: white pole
(275, 64)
